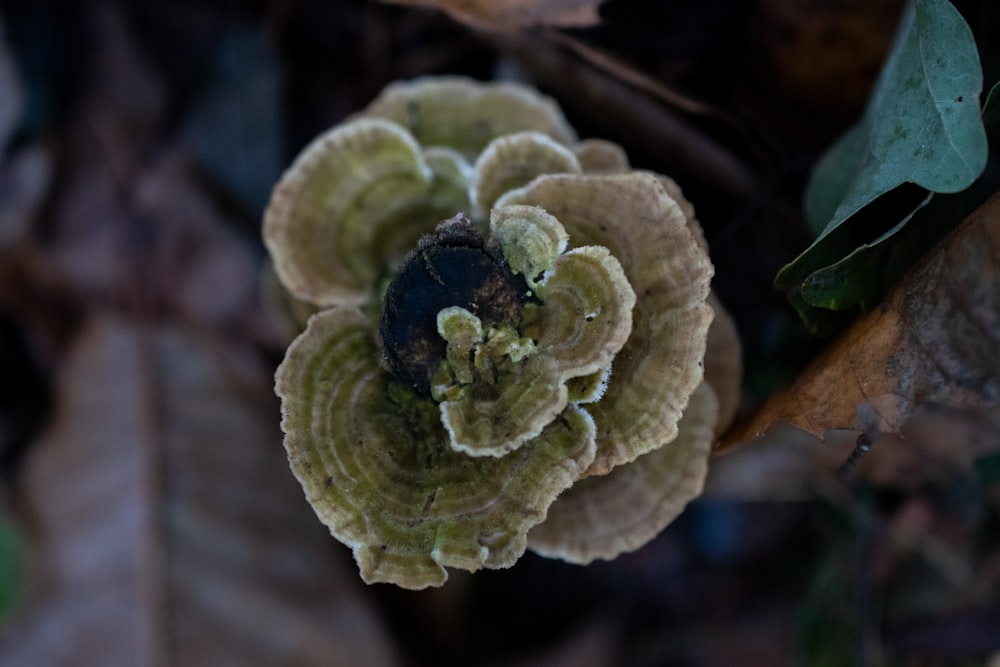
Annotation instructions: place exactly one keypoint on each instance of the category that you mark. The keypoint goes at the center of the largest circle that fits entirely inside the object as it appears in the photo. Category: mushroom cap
(660, 365)
(724, 364)
(586, 313)
(529, 238)
(287, 313)
(466, 114)
(607, 515)
(582, 319)
(723, 354)
(528, 397)
(604, 375)
(357, 198)
(600, 156)
(513, 160)
(375, 466)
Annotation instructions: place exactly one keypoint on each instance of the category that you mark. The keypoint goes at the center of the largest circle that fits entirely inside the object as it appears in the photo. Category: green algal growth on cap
(501, 311)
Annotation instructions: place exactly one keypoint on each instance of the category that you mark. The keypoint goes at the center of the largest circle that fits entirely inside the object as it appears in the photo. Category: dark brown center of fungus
(451, 267)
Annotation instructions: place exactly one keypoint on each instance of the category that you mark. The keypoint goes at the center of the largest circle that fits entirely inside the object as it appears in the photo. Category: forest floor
(147, 512)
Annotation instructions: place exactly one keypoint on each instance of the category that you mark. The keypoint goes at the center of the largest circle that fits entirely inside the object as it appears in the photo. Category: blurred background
(147, 514)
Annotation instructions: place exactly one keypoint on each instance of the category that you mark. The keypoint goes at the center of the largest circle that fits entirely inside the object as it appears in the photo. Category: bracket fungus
(509, 338)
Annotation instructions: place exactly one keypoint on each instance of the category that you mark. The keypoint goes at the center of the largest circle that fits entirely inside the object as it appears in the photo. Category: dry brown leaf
(120, 108)
(165, 526)
(121, 209)
(933, 341)
(513, 14)
(32, 290)
(205, 271)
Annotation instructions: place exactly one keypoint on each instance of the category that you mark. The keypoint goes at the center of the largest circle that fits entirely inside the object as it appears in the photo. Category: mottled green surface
(604, 516)
(512, 161)
(495, 393)
(582, 319)
(414, 483)
(376, 467)
(589, 388)
(530, 239)
(660, 365)
(586, 311)
(466, 115)
(317, 225)
(354, 202)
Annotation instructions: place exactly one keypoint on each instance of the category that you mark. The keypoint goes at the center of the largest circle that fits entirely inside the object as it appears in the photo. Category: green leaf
(832, 178)
(991, 108)
(922, 126)
(848, 282)
(11, 566)
(987, 468)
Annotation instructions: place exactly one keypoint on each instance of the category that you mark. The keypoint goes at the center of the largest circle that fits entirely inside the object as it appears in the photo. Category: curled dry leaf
(934, 340)
(512, 14)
